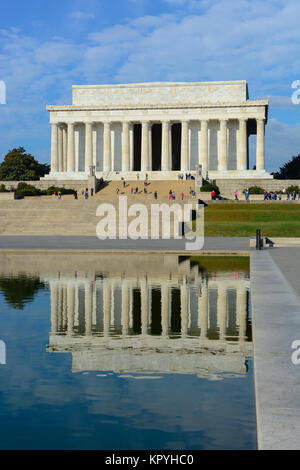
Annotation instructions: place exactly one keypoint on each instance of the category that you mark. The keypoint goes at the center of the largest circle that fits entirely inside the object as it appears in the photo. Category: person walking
(155, 195)
(213, 195)
(236, 195)
(181, 196)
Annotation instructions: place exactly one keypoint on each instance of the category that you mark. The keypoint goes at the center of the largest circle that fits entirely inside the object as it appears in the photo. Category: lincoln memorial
(162, 129)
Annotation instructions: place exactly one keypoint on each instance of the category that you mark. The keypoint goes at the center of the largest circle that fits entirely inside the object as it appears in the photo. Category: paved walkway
(94, 244)
(275, 326)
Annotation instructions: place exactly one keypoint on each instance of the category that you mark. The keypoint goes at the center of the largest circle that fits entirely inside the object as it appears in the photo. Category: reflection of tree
(18, 290)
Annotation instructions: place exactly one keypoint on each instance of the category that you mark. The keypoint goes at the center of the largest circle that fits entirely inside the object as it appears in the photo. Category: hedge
(208, 188)
(28, 190)
(256, 190)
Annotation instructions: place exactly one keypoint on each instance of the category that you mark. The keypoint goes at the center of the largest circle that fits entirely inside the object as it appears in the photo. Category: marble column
(185, 160)
(60, 149)
(222, 156)
(54, 147)
(88, 146)
(204, 147)
(165, 160)
(222, 311)
(71, 148)
(242, 148)
(260, 144)
(203, 311)
(145, 147)
(131, 146)
(65, 147)
(125, 147)
(106, 147)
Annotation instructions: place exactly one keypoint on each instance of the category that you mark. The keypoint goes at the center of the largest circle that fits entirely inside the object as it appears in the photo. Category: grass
(222, 263)
(242, 220)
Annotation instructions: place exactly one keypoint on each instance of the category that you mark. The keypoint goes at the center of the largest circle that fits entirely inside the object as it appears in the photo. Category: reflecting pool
(125, 352)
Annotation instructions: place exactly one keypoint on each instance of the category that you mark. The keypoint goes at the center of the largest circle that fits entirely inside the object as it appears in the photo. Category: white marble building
(162, 129)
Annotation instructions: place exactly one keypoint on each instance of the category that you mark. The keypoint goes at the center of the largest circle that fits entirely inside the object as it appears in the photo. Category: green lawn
(242, 220)
(222, 263)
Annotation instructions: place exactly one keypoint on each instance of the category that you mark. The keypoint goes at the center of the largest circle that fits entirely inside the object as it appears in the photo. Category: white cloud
(81, 15)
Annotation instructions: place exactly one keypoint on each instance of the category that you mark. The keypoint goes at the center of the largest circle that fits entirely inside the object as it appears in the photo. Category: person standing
(236, 195)
(155, 195)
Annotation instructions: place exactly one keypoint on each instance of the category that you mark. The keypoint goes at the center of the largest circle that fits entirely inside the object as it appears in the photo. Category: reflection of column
(76, 306)
(64, 309)
(54, 302)
(59, 307)
(70, 308)
(88, 303)
(144, 306)
(165, 311)
(106, 307)
(222, 311)
(125, 308)
(241, 312)
(202, 310)
(130, 307)
(184, 302)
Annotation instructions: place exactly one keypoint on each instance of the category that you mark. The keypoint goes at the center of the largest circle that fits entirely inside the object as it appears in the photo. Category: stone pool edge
(275, 325)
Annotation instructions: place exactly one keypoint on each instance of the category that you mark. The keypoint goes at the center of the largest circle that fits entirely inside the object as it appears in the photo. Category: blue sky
(45, 47)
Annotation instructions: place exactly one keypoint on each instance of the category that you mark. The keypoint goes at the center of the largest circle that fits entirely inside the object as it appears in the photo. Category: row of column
(63, 147)
(65, 305)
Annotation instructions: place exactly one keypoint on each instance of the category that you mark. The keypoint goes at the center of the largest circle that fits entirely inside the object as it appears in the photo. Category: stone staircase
(48, 216)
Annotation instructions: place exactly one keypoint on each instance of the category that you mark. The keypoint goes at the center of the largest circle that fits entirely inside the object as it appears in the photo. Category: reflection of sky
(44, 405)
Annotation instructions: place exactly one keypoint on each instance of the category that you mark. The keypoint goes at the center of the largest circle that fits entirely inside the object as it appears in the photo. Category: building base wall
(158, 175)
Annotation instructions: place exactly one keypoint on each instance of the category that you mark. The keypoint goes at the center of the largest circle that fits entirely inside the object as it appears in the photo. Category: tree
(290, 170)
(19, 290)
(21, 166)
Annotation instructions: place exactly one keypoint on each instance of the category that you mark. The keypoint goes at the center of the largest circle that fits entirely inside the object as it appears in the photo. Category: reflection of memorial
(164, 318)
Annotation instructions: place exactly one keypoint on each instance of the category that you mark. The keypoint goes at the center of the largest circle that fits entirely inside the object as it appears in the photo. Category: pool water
(125, 352)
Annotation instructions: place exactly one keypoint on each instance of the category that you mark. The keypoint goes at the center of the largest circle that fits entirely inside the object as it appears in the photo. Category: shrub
(208, 188)
(27, 190)
(2, 188)
(56, 189)
(256, 190)
(292, 188)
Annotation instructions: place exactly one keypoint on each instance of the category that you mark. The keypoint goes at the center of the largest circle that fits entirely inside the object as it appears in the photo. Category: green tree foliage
(290, 170)
(19, 290)
(21, 166)
(208, 188)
